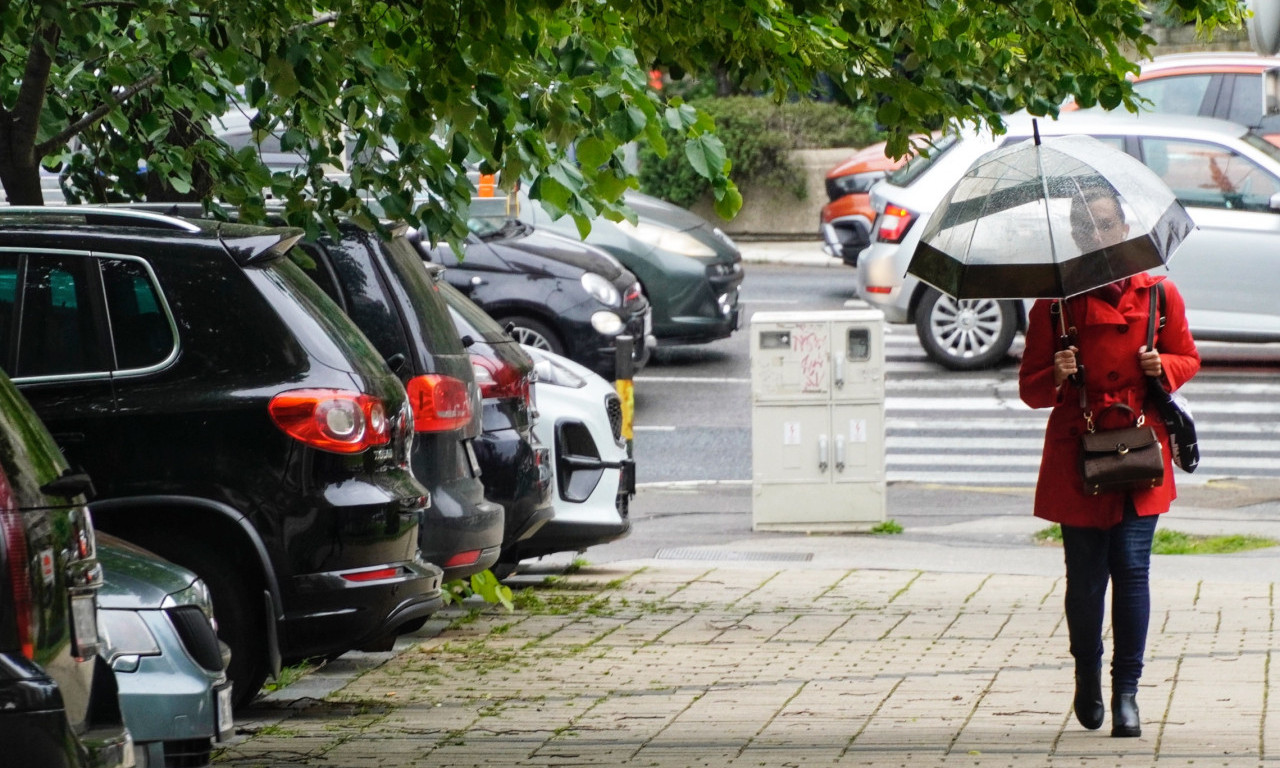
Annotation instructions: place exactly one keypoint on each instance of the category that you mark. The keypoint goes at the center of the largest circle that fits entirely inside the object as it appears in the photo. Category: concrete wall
(770, 213)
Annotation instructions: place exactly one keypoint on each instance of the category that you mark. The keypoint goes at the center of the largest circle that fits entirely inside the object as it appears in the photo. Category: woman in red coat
(1106, 537)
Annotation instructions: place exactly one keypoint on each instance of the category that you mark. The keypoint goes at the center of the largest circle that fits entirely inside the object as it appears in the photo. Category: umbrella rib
(1048, 220)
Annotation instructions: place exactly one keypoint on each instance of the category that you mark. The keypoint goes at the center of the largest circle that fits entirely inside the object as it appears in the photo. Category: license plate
(84, 625)
(225, 722)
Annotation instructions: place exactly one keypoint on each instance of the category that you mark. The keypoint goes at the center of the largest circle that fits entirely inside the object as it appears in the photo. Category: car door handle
(822, 453)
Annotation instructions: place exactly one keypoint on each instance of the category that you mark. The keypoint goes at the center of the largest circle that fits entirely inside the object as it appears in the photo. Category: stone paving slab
(721, 667)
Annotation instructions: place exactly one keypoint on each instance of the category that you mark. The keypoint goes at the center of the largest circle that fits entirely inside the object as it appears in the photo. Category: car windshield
(916, 166)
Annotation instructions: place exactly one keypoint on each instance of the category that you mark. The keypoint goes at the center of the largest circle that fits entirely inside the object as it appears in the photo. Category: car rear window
(474, 320)
(916, 166)
(430, 310)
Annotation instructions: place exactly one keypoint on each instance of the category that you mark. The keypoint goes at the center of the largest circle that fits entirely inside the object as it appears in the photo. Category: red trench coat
(1109, 339)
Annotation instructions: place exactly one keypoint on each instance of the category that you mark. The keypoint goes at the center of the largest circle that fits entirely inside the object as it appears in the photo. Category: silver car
(1227, 178)
(157, 629)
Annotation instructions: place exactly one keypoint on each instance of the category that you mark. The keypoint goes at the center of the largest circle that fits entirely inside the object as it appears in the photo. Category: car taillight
(894, 223)
(440, 403)
(334, 420)
(497, 379)
(15, 540)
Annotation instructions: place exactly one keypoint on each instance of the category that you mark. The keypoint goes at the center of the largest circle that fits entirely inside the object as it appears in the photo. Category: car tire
(965, 335)
(535, 333)
(504, 569)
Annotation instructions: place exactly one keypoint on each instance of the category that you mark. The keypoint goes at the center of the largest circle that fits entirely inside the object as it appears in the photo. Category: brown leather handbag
(1125, 459)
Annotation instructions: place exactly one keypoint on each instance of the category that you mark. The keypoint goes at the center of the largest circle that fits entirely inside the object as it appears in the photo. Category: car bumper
(334, 614)
(517, 475)
(462, 531)
(880, 283)
(845, 238)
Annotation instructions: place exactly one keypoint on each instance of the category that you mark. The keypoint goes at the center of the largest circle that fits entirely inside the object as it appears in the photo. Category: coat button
(1113, 376)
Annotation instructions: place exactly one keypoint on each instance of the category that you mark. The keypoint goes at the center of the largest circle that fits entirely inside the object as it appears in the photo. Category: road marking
(694, 379)
(638, 428)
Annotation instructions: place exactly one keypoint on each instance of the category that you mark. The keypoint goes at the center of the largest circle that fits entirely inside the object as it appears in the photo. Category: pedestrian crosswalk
(973, 429)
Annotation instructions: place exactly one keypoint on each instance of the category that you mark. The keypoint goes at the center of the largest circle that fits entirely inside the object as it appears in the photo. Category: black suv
(234, 420)
(59, 704)
(381, 284)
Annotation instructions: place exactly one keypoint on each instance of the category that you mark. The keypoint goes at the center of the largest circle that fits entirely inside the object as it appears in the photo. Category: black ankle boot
(1124, 715)
(1088, 702)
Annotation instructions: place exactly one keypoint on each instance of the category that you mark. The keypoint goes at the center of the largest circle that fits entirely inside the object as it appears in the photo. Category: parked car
(381, 284)
(59, 705)
(593, 477)
(845, 221)
(555, 293)
(159, 636)
(516, 465)
(1225, 85)
(690, 270)
(237, 423)
(1226, 177)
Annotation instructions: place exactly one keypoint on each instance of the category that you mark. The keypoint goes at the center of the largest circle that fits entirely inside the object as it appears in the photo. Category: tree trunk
(21, 180)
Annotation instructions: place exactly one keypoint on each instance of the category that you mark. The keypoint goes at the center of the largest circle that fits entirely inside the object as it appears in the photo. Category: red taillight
(497, 379)
(377, 574)
(440, 403)
(470, 557)
(15, 539)
(335, 420)
(894, 223)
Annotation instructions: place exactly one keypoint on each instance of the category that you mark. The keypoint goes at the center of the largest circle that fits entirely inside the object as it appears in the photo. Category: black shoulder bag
(1171, 405)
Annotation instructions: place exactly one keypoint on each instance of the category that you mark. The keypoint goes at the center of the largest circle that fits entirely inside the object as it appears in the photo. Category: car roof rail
(123, 217)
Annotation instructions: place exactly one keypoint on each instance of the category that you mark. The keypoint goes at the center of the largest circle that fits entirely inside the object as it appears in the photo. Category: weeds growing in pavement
(887, 527)
(1168, 542)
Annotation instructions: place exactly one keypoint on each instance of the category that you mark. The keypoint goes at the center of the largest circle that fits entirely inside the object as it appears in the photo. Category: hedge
(758, 135)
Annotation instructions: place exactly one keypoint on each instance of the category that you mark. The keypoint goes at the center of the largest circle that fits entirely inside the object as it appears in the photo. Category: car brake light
(497, 379)
(334, 420)
(894, 223)
(377, 574)
(19, 579)
(440, 403)
(470, 557)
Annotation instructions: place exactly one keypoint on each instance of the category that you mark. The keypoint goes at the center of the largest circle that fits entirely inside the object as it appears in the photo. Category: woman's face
(1107, 226)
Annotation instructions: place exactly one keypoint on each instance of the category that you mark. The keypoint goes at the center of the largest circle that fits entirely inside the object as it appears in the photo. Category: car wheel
(965, 335)
(535, 333)
(504, 568)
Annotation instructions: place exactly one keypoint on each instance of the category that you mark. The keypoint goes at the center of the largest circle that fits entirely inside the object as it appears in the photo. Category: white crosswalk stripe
(974, 429)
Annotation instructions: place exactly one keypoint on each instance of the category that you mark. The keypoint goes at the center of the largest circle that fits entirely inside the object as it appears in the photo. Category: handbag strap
(1157, 308)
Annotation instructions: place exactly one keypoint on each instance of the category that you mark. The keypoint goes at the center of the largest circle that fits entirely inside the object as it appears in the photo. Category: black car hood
(565, 250)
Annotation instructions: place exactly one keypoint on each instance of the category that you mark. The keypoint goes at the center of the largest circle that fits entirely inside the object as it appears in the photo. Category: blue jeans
(1121, 555)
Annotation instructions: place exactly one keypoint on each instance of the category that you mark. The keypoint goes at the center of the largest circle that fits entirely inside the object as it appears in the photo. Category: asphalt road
(693, 433)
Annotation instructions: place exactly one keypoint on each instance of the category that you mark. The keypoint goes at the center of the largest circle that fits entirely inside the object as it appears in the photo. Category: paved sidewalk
(749, 666)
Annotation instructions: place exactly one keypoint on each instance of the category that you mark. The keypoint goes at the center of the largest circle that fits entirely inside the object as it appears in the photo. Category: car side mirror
(70, 484)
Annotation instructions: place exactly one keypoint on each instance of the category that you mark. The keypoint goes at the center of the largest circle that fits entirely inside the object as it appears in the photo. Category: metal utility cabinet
(817, 420)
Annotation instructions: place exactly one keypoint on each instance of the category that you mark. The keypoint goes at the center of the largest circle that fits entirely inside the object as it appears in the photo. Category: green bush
(757, 134)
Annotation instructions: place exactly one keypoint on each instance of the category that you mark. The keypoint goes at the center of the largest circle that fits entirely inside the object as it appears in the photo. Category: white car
(593, 478)
(1227, 178)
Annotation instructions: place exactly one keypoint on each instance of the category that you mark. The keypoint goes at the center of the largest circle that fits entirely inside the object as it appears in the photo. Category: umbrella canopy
(1049, 220)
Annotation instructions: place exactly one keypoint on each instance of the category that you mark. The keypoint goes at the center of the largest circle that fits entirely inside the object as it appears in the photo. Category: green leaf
(706, 154)
(592, 152)
(179, 67)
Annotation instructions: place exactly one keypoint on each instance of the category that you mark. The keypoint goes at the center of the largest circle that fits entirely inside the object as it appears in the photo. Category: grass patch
(289, 676)
(1178, 543)
(888, 527)
(1169, 542)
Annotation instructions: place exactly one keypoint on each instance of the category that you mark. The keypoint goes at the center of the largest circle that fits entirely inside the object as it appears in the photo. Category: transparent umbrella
(1049, 219)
